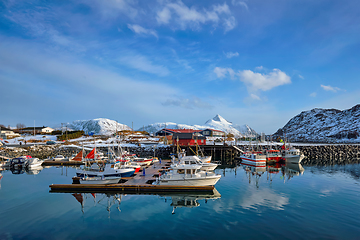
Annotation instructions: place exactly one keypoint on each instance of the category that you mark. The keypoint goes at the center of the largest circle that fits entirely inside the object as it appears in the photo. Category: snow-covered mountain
(324, 125)
(101, 126)
(218, 123)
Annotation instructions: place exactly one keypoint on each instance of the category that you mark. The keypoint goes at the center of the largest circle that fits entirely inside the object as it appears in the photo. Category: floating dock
(62, 163)
(140, 183)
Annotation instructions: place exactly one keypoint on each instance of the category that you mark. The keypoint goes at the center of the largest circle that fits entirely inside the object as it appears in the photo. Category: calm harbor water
(286, 202)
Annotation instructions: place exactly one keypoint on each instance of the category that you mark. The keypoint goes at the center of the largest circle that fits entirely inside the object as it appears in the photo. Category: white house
(37, 130)
(6, 133)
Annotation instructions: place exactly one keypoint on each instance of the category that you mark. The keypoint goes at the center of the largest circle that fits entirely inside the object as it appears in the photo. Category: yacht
(188, 175)
(196, 160)
(33, 163)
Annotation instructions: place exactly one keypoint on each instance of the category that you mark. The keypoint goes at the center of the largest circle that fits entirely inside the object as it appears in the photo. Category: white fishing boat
(196, 160)
(292, 155)
(254, 158)
(33, 163)
(99, 180)
(188, 175)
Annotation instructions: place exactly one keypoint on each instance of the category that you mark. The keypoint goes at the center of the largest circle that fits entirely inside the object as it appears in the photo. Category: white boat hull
(99, 180)
(293, 158)
(205, 181)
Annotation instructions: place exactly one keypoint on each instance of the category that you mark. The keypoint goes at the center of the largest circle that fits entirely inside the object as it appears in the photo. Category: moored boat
(109, 170)
(188, 175)
(292, 155)
(99, 180)
(255, 158)
(205, 166)
(33, 163)
(273, 155)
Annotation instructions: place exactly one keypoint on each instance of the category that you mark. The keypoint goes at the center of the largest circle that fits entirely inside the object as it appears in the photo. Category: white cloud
(143, 64)
(222, 72)
(330, 88)
(189, 103)
(180, 15)
(259, 68)
(110, 9)
(229, 23)
(231, 54)
(300, 76)
(258, 81)
(240, 3)
(140, 30)
(255, 97)
(313, 94)
(163, 16)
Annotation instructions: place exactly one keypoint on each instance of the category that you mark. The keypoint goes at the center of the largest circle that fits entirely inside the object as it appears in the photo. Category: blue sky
(255, 62)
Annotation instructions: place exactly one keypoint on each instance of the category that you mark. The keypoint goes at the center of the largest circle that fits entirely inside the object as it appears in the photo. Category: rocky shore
(330, 154)
(322, 154)
(44, 152)
(314, 154)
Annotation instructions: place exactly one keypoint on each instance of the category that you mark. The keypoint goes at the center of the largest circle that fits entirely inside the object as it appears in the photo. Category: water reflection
(34, 170)
(190, 200)
(178, 200)
(29, 171)
(286, 171)
(107, 200)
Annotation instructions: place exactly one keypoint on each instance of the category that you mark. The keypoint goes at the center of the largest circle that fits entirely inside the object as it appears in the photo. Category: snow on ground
(28, 138)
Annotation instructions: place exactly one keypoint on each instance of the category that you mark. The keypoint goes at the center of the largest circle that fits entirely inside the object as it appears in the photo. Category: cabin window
(186, 162)
(181, 171)
(188, 171)
(194, 170)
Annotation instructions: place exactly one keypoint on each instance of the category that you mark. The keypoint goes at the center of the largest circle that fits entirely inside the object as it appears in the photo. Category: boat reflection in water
(179, 200)
(34, 170)
(292, 169)
(190, 200)
(286, 171)
(107, 200)
(254, 171)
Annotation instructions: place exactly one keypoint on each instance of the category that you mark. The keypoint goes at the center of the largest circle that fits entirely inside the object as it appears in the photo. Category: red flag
(91, 154)
(78, 197)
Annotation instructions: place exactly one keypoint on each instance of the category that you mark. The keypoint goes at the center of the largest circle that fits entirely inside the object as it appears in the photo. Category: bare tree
(20, 126)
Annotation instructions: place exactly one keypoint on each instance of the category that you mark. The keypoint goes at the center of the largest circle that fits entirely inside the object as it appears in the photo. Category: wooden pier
(62, 163)
(140, 183)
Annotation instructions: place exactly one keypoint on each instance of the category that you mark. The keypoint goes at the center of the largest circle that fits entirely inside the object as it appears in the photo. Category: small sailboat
(99, 180)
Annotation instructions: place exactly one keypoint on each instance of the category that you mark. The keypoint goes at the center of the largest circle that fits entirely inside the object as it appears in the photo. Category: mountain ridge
(323, 125)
